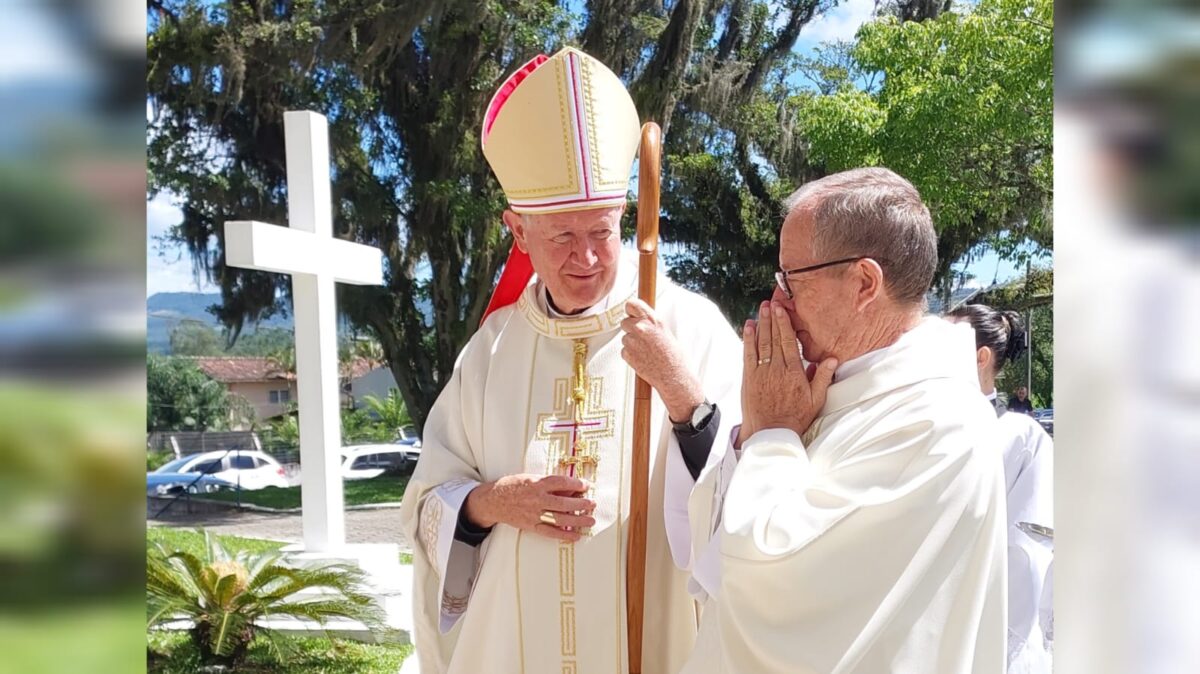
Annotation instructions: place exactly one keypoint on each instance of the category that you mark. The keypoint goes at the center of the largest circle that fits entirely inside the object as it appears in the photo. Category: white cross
(308, 251)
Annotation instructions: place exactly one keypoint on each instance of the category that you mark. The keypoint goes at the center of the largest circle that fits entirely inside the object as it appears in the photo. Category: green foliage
(172, 653)
(391, 412)
(964, 112)
(223, 594)
(283, 432)
(359, 427)
(193, 338)
(179, 397)
(156, 459)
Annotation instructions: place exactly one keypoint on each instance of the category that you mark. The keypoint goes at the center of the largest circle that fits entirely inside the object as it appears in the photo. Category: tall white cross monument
(316, 260)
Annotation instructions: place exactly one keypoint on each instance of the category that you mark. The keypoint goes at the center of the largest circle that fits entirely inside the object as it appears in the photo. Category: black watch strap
(693, 426)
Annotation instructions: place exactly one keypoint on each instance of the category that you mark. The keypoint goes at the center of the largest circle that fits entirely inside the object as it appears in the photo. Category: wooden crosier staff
(647, 243)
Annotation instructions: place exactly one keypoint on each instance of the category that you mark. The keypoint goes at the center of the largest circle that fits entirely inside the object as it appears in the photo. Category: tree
(193, 338)
(179, 397)
(404, 86)
(964, 112)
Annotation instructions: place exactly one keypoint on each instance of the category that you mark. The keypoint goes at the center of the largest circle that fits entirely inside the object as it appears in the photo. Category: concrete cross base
(388, 582)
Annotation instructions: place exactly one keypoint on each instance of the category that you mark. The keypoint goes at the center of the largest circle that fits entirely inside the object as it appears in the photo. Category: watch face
(703, 411)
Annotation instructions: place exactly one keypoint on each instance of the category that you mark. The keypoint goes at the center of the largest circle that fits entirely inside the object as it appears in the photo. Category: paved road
(362, 526)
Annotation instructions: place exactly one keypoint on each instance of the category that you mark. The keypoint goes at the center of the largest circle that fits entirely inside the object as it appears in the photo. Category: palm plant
(227, 596)
(391, 411)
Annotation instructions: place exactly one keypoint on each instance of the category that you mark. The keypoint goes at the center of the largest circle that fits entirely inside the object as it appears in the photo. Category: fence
(182, 443)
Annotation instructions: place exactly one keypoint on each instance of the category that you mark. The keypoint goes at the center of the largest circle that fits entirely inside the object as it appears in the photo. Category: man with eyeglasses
(858, 518)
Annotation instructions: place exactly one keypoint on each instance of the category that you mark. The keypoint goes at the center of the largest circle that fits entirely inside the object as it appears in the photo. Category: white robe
(522, 602)
(873, 545)
(1029, 476)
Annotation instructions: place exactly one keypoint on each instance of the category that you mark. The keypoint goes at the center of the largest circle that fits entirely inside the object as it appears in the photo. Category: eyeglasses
(781, 277)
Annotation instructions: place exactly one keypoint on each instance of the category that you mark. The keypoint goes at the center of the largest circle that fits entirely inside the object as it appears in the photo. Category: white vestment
(521, 602)
(1029, 477)
(874, 544)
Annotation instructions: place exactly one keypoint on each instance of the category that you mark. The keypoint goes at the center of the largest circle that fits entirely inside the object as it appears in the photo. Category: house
(369, 378)
(269, 390)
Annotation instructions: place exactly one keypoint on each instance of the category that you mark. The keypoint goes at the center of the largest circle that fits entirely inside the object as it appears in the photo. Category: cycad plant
(225, 596)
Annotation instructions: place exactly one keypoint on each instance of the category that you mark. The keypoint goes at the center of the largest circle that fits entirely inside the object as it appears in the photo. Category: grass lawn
(172, 653)
(193, 541)
(102, 637)
(382, 489)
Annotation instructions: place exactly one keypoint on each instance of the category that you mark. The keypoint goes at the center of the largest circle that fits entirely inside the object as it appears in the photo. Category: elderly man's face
(823, 304)
(575, 254)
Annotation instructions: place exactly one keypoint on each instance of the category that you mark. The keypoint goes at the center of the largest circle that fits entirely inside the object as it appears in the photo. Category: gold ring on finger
(764, 361)
(547, 517)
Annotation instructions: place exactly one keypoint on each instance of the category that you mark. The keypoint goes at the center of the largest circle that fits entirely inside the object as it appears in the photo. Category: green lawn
(192, 541)
(171, 653)
(102, 637)
(383, 489)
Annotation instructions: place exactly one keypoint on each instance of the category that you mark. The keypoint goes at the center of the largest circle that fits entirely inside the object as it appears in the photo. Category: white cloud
(168, 270)
(839, 23)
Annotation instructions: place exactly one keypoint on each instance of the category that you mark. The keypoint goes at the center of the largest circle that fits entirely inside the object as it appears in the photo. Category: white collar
(861, 363)
(934, 349)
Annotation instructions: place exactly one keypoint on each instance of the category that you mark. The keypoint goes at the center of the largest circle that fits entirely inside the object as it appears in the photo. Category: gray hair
(875, 213)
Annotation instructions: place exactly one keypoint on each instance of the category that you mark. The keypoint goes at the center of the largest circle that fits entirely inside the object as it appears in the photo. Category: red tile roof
(233, 369)
(228, 370)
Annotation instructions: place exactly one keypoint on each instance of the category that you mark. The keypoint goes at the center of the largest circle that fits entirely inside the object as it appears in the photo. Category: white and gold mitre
(561, 134)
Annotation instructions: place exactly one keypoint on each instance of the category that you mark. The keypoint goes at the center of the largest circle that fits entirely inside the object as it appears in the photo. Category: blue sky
(171, 271)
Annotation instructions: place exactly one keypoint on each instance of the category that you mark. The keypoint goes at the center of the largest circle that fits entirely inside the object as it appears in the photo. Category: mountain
(164, 311)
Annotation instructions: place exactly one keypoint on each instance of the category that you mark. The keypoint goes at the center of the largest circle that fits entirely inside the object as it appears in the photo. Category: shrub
(226, 597)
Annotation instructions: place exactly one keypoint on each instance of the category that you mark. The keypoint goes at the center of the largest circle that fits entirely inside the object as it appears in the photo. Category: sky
(171, 270)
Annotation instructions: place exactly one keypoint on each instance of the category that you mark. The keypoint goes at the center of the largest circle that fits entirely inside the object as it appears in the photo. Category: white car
(249, 469)
(363, 462)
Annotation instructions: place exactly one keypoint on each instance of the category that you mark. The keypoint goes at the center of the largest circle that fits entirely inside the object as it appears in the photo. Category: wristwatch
(700, 418)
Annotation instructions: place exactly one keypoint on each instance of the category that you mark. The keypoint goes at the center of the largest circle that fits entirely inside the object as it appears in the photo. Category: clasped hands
(778, 391)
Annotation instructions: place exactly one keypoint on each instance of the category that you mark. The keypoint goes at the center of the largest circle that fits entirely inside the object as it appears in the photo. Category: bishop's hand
(656, 356)
(777, 390)
(549, 505)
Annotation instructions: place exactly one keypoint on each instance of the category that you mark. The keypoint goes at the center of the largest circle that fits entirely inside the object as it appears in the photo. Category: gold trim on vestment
(524, 457)
(569, 328)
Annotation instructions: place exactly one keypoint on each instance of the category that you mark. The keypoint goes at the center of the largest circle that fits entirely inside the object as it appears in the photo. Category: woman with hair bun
(1029, 476)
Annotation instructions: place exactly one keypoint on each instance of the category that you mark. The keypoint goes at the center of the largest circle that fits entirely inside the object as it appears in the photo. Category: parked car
(410, 439)
(168, 484)
(247, 469)
(363, 462)
(1046, 419)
